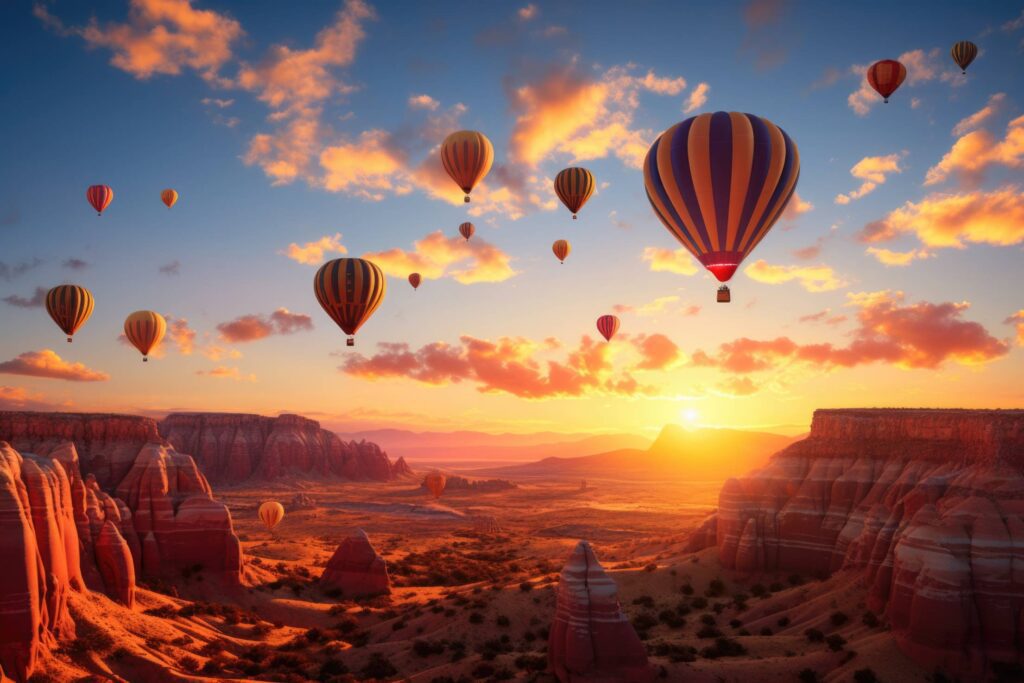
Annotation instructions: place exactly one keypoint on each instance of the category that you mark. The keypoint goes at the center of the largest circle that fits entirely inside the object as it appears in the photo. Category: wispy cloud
(872, 171)
(313, 253)
(37, 299)
(251, 327)
(437, 255)
(820, 278)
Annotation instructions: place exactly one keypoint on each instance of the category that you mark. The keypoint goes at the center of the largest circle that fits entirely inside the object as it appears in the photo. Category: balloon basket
(465, 200)
(724, 295)
(351, 341)
(145, 360)
(69, 340)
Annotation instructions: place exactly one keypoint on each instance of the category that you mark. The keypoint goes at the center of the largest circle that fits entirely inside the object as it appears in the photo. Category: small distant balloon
(467, 230)
(467, 157)
(963, 54)
(608, 325)
(885, 76)
(169, 197)
(69, 306)
(144, 330)
(574, 187)
(414, 280)
(271, 513)
(561, 248)
(435, 482)
(100, 197)
(350, 290)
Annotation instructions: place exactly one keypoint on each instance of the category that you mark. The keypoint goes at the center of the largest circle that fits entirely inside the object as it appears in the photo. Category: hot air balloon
(144, 330)
(467, 230)
(414, 280)
(574, 187)
(435, 482)
(271, 513)
(69, 306)
(885, 76)
(561, 249)
(964, 53)
(100, 197)
(608, 325)
(467, 157)
(169, 197)
(350, 290)
(719, 182)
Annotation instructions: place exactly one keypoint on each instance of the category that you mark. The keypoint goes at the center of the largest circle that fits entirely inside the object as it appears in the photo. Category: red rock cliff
(927, 504)
(232, 447)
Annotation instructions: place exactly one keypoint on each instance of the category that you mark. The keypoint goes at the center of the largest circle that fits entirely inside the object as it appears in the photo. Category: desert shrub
(723, 647)
(699, 603)
(212, 667)
(671, 619)
(676, 653)
(502, 620)
(686, 589)
(838, 618)
(795, 580)
(425, 648)
(399, 625)
(526, 586)
(650, 567)
(378, 666)
(865, 676)
(707, 619)
(716, 588)
(645, 600)
(814, 635)
(644, 621)
(870, 619)
(189, 663)
(776, 586)
(709, 632)
(808, 676)
(483, 670)
(766, 631)
(476, 618)
(531, 662)
(735, 623)
(163, 611)
(331, 668)
(529, 636)
(783, 622)
(835, 642)
(91, 640)
(40, 677)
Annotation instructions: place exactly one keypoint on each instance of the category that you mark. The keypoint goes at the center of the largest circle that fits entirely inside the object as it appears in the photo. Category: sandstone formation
(457, 483)
(302, 501)
(928, 505)
(231, 448)
(590, 638)
(355, 569)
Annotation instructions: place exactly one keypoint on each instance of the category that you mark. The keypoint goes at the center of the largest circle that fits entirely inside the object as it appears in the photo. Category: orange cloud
(506, 366)
(679, 261)
(819, 278)
(873, 171)
(951, 220)
(529, 12)
(698, 98)
(975, 120)
(313, 253)
(365, 167)
(737, 386)
(423, 102)
(19, 398)
(224, 372)
(974, 153)
(47, 363)
(437, 256)
(650, 308)
(1017, 320)
(160, 37)
(898, 258)
(657, 352)
(922, 335)
(824, 316)
(796, 207)
(251, 327)
(183, 336)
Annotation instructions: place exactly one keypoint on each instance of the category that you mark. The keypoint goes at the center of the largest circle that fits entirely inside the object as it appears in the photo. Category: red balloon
(466, 230)
(608, 325)
(885, 76)
(414, 280)
(100, 197)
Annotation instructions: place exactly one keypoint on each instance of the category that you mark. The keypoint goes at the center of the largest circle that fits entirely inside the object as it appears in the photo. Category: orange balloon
(169, 197)
(69, 306)
(561, 249)
(435, 482)
(467, 157)
(271, 513)
(144, 330)
(467, 230)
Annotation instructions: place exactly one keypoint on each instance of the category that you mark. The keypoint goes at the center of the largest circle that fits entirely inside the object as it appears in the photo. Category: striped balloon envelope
(144, 330)
(963, 54)
(99, 197)
(608, 325)
(885, 76)
(574, 187)
(69, 306)
(467, 157)
(350, 290)
(169, 197)
(414, 280)
(561, 249)
(719, 182)
(467, 230)
(271, 513)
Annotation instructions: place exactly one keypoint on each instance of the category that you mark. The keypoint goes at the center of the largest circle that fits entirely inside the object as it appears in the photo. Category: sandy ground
(476, 606)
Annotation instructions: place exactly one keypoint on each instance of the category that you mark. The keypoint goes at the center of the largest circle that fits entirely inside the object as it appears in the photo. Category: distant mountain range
(677, 453)
(481, 448)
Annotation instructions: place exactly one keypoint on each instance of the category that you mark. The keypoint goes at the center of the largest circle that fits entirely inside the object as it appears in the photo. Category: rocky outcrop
(590, 638)
(232, 447)
(457, 483)
(705, 536)
(115, 564)
(355, 569)
(928, 505)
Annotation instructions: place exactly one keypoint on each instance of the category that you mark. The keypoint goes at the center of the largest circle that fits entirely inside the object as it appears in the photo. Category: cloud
(975, 120)
(172, 268)
(820, 278)
(737, 386)
(19, 398)
(529, 12)
(225, 372)
(650, 308)
(898, 258)
(952, 220)
(251, 327)
(813, 251)
(365, 167)
(75, 264)
(37, 299)
(436, 256)
(508, 365)
(1017, 320)
(423, 102)
(312, 253)
(796, 207)
(763, 39)
(698, 98)
(47, 363)
(824, 316)
(974, 153)
(679, 261)
(920, 336)
(160, 37)
(9, 271)
(568, 112)
(217, 102)
(873, 171)
(657, 352)
(922, 67)
(183, 336)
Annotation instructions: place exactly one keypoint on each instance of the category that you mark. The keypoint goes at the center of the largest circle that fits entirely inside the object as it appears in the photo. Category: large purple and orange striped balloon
(608, 325)
(719, 182)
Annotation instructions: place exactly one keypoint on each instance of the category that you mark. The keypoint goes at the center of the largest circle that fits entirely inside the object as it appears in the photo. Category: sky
(894, 277)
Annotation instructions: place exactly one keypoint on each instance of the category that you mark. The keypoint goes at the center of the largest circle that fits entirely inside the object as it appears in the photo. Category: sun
(689, 415)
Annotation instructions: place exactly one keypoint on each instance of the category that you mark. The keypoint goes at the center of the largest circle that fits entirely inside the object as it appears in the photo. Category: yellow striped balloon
(69, 306)
(561, 249)
(963, 54)
(271, 513)
(467, 157)
(144, 330)
(350, 290)
(169, 197)
(574, 187)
